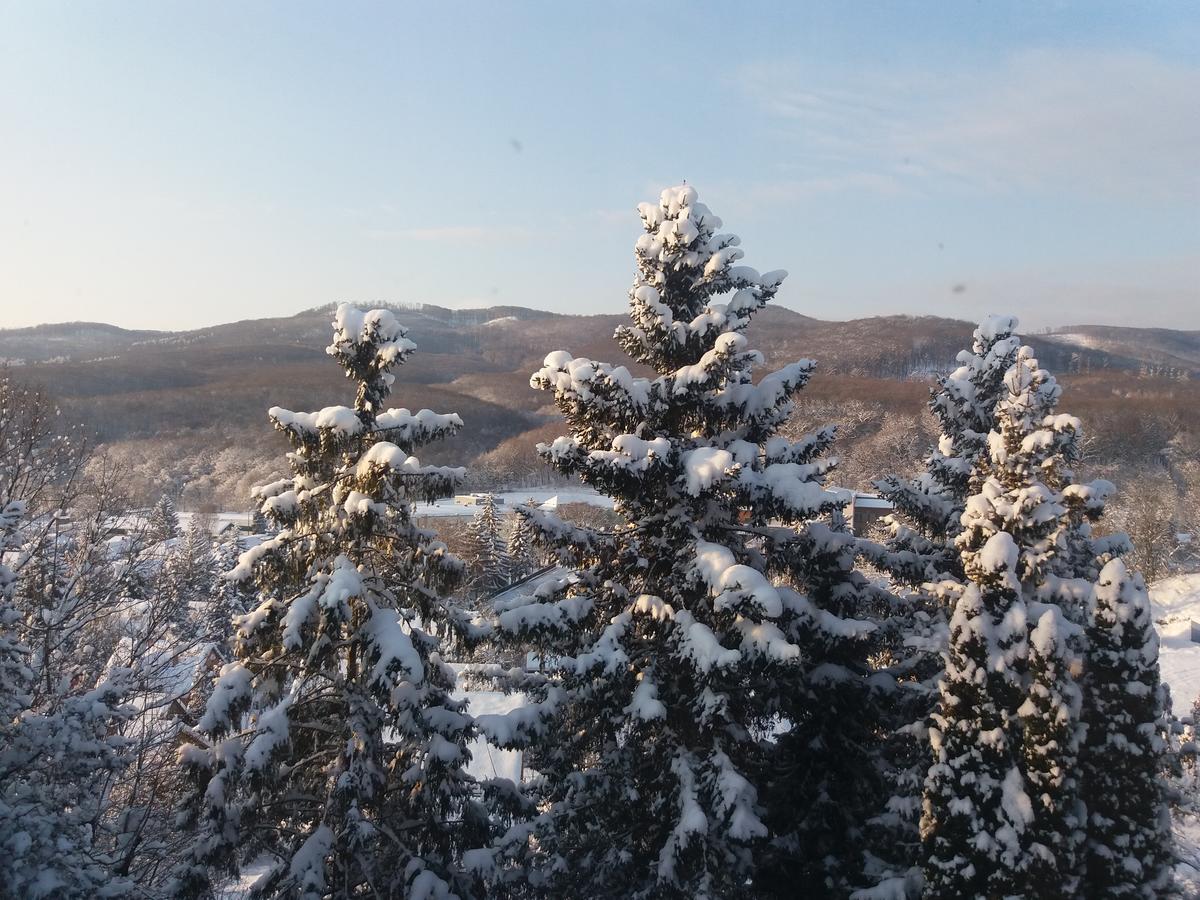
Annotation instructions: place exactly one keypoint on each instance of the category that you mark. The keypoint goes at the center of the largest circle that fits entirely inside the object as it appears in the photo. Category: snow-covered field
(1176, 604)
(217, 521)
(508, 500)
(487, 760)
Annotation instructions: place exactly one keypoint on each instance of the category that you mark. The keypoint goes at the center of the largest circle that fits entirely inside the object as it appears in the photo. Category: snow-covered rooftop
(868, 501)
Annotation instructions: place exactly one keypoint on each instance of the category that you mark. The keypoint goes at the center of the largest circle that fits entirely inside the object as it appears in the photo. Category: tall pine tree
(522, 555)
(488, 564)
(929, 507)
(665, 653)
(823, 777)
(926, 570)
(163, 522)
(331, 744)
(1128, 848)
(1002, 806)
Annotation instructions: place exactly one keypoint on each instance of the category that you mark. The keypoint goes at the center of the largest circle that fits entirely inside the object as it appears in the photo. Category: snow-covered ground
(1076, 338)
(487, 760)
(508, 500)
(1176, 604)
(218, 521)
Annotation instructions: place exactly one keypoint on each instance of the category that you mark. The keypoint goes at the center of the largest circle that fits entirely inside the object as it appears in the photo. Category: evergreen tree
(186, 579)
(333, 745)
(666, 648)
(823, 777)
(520, 553)
(1002, 806)
(488, 565)
(163, 522)
(925, 567)
(1050, 740)
(1129, 840)
(929, 507)
(975, 804)
(226, 599)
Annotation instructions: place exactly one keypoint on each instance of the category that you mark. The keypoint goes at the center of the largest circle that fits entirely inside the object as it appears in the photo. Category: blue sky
(169, 165)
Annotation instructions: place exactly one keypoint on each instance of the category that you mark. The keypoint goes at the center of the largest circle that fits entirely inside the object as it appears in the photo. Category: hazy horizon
(172, 166)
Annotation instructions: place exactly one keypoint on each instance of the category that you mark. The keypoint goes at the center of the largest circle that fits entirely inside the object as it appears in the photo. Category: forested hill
(191, 406)
(126, 383)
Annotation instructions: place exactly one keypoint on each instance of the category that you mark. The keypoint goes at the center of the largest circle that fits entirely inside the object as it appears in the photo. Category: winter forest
(712, 686)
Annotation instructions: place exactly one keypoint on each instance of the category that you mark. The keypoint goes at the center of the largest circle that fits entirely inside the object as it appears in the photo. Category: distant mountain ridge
(42, 342)
(865, 345)
(126, 383)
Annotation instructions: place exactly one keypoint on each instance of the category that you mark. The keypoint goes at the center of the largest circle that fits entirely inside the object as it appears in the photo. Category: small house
(864, 511)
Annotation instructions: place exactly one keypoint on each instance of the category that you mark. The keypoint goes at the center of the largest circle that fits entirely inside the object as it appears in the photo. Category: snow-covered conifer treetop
(338, 690)
(1129, 842)
(667, 618)
(367, 345)
(929, 507)
(623, 426)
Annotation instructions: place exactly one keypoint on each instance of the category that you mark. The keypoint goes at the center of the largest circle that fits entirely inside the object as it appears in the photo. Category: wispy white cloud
(450, 233)
(801, 188)
(1106, 123)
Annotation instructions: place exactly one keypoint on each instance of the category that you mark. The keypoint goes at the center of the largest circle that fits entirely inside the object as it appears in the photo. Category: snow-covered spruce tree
(1002, 808)
(930, 506)
(186, 578)
(331, 746)
(488, 563)
(1050, 741)
(925, 568)
(665, 650)
(975, 806)
(521, 554)
(226, 599)
(1128, 847)
(163, 522)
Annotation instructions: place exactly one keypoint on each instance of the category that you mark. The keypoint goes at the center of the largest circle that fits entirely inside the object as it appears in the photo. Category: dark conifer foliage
(331, 743)
(669, 644)
(1128, 852)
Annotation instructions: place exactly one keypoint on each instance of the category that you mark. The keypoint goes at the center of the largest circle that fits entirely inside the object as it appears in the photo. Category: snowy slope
(1176, 603)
